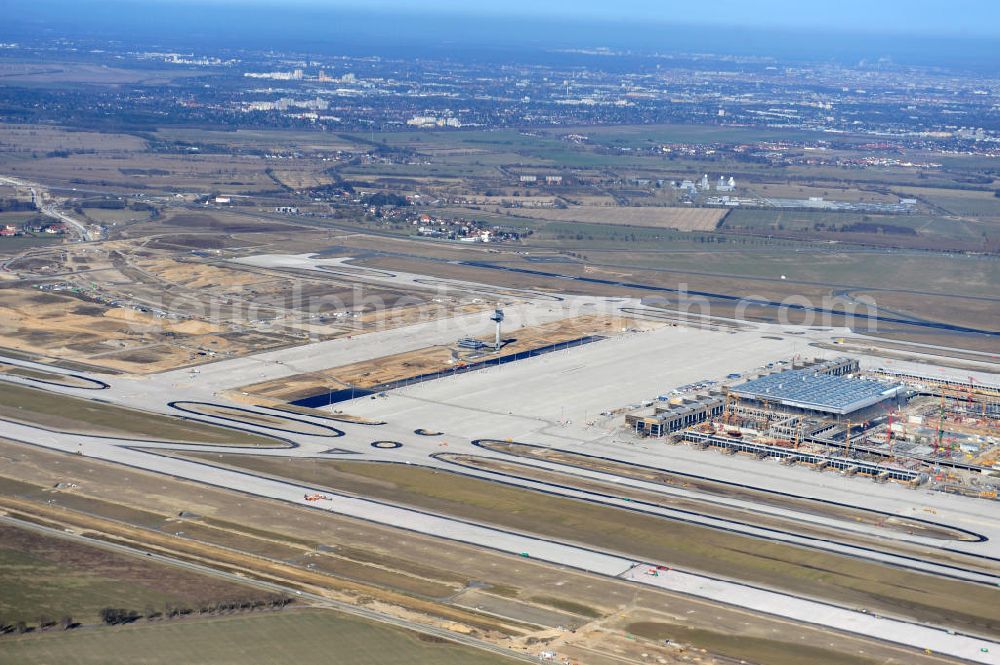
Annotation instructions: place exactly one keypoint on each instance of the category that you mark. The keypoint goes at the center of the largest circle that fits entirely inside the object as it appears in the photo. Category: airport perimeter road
(733, 593)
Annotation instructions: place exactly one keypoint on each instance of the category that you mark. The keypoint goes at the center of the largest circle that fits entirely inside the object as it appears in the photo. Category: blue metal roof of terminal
(806, 389)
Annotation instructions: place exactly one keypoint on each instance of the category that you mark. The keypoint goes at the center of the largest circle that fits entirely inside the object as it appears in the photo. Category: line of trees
(15, 205)
(117, 616)
(44, 623)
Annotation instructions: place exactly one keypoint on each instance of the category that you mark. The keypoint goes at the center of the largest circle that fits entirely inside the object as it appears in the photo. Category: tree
(116, 615)
(109, 615)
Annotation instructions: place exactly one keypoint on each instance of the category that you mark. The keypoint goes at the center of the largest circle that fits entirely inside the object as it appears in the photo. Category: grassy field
(18, 244)
(946, 275)
(274, 529)
(44, 576)
(744, 647)
(105, 216)
(683, 219)
(78, 415)
(844, 580)
(968, 233)
(640, 134)
(763, 220)
(974, 203)
(49, 377)
(288, 637)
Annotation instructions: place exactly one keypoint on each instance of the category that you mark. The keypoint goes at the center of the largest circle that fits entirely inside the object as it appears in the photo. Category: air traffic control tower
(498, 318)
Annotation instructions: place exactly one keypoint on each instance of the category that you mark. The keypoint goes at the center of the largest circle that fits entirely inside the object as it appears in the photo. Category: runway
(478, 405)
(535, 547)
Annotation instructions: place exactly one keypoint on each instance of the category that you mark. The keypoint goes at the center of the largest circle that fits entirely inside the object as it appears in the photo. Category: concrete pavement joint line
(330, 603)
(748, 530)
(481, 443)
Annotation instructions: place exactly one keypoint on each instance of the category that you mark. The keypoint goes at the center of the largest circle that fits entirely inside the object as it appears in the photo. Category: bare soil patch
(682, 219)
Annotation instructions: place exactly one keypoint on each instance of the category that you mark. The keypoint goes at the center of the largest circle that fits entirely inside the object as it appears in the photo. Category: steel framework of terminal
(811, 391)
(820, 388)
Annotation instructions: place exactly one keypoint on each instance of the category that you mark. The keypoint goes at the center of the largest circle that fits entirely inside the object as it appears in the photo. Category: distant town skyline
(958, 17)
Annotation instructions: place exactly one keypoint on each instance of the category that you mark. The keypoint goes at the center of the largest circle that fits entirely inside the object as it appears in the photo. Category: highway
(50, 210)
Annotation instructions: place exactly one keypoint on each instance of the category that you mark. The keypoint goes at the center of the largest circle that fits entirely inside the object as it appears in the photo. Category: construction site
(885, 424)
(377, 376)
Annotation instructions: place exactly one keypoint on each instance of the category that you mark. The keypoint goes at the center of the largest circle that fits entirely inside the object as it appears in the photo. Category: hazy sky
(951, 17)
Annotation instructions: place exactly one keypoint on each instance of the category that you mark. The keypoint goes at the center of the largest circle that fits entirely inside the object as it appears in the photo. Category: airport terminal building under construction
(821, 389)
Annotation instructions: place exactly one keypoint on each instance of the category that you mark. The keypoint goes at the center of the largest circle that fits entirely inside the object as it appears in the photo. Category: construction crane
(940, 429)
(888, 433)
